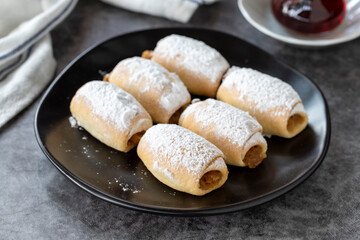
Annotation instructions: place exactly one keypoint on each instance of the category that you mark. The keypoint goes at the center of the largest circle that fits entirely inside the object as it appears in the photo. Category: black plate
(121, 178)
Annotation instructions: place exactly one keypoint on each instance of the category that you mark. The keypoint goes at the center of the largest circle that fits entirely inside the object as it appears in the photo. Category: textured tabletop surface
(38, 202)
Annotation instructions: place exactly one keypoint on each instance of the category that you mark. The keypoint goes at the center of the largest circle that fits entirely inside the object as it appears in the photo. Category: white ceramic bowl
(258, 13)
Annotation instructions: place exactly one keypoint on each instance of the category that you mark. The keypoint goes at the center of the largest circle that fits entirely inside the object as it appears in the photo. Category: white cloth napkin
(26, 59)
(178, 10)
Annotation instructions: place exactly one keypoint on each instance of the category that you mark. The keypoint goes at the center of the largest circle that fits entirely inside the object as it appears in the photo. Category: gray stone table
(38, 202)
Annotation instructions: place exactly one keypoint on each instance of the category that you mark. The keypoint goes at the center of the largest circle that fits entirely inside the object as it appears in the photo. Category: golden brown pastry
(110, 114)
(160, 92)
(198, 65)
(274, 103)
(182, 159)
(233, 131)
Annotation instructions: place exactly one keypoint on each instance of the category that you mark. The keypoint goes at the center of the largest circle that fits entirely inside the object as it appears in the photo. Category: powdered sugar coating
(181, 148)
(111, 103)
(263, 91)
(195, 55)
(218, 163)
(171, 89)
(226, 121)
(255, 139)
(157, 168)
(298, 108)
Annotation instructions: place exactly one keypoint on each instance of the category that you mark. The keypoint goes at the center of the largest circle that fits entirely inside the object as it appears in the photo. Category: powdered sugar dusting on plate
(194, 54)
(73, 122)
(157, 78)
(111, 103)
(181, 147)
(264, 91)
(225, 120)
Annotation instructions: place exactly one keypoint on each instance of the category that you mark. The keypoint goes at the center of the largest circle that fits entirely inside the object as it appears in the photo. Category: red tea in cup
(309, 16)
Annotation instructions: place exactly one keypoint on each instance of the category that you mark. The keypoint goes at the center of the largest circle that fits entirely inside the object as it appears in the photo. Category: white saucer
(258, 13)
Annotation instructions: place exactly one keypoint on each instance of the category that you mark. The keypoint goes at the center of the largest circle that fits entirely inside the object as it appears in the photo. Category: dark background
(38, 202)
